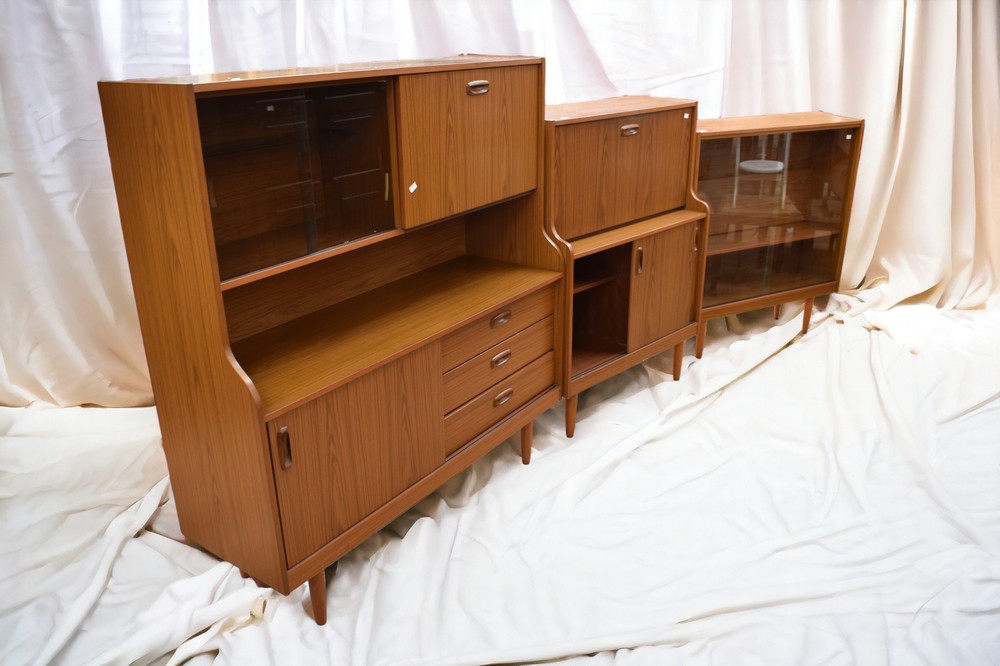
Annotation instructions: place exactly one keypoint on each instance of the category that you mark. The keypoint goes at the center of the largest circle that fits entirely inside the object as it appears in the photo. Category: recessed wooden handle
(503, 397)
(500, 359)
(630, 130)
(638, 260)
(478, 87)
(284, 447)
(500, 319)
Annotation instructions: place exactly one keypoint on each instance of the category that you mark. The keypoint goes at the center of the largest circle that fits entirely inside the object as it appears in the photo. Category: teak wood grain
(611, 107)
(459, 151)
(496, 402)
(298, 361)
(353, 450)
(634, 231)
(495, 325)
(235, 82)
(496, 363)
(663, 281)
(605, 176)
(209, 412)
(766, 124)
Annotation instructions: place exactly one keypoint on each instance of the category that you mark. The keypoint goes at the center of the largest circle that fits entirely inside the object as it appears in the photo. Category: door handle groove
(284, 447)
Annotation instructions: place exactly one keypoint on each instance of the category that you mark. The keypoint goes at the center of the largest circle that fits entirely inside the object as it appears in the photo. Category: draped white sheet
(833, 501)
(838, 504)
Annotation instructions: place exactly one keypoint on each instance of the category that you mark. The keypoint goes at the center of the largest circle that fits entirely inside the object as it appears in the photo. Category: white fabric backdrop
(866, 534)
(923, 74)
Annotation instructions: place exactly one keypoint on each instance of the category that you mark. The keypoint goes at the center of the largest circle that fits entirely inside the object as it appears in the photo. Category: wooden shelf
(761, 236)
(772, 124)
(592, 282)
(305, 260)
(627, 233)
(586, 359)
(307, 357)
(728, 292)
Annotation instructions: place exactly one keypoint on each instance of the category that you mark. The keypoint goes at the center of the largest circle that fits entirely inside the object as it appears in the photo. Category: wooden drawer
(496, 363)
(494, 327)
(609, 172)
(466, 139)
(489, 407)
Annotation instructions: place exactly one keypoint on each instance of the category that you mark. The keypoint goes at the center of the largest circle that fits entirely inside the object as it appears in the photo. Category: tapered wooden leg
(699, 341)
(317, 591)
(526, 443)
(571, 415)
(678, 358)
(807, 314)
(777, 311)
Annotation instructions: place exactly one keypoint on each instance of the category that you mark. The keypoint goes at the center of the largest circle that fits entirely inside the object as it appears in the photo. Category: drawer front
(496, 363)
(608, 172)
(466, 139)
(498, 325)
(489, 407)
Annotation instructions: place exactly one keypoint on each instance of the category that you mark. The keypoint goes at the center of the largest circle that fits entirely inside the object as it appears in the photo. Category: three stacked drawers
(495, 365)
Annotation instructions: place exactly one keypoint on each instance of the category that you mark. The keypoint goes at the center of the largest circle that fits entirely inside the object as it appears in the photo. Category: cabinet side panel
(209, 412)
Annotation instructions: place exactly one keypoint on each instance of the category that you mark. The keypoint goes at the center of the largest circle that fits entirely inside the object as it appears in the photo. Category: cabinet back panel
(262, 305)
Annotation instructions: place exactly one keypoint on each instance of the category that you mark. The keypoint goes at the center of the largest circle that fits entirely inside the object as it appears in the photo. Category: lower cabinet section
(342, 456)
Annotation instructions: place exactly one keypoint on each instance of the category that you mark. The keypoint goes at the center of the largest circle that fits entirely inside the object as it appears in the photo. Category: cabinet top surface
(611, 107)
(259, 78)
(778, 122)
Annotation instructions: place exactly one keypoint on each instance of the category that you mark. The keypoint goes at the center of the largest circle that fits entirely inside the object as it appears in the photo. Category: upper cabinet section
(617, 160)
(466, 139)
(295, 171)
(303, 164)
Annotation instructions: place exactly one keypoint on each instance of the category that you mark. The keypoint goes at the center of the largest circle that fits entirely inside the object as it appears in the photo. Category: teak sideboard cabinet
(345, 290)
(779, 189)
(620, 204)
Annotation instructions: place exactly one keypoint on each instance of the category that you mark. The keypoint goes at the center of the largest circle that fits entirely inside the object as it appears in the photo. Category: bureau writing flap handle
(284, 447)
(478, 87)
(630, 130)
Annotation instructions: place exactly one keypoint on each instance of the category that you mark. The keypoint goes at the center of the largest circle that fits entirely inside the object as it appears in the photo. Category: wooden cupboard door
(609, 172)
(662, 294)
(466, 139)
(342, 456)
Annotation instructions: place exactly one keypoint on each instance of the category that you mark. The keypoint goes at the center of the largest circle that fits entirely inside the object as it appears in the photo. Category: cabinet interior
(600, 307)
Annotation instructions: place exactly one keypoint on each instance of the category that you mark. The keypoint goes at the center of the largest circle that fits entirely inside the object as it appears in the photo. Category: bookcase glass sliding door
(294, 171)
(777, 206)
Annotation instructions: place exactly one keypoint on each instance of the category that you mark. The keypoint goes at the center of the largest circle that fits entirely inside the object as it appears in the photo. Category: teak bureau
(345, 291)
